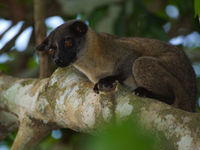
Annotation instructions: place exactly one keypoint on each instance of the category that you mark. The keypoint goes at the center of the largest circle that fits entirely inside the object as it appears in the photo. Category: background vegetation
(174, 21)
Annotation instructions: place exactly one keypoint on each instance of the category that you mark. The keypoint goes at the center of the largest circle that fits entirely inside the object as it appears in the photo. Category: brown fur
(155, 65)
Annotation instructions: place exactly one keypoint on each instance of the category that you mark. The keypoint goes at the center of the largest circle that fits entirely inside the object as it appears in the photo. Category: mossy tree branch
(66, 100)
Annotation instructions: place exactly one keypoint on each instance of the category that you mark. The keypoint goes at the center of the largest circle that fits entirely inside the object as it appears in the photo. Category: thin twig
(2, 34)
(7, 46)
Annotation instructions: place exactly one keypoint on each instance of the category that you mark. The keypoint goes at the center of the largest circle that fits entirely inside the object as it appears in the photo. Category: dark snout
(64, 60)
(60, 62)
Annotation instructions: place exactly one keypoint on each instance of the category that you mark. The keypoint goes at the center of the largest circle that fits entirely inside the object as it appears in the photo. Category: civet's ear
(79, 28)
(43, 46)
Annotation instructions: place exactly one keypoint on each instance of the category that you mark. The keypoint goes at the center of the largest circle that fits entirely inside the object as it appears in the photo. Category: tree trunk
(40, 34)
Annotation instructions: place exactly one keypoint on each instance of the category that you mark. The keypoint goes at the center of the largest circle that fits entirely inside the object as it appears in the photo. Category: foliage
(197, 7)
(126, 135)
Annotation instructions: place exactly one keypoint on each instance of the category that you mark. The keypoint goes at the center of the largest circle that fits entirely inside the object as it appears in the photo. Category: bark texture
(40, 35)
(66, 100)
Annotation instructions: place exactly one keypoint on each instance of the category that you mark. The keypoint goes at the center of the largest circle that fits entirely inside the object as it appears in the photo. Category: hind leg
(150, 75)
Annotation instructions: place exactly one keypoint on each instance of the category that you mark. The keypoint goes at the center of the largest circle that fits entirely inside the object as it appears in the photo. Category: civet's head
(65, 42)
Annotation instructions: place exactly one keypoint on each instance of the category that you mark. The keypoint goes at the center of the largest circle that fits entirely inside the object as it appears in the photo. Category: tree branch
(12, 25)
(67, 100)
(7, 46)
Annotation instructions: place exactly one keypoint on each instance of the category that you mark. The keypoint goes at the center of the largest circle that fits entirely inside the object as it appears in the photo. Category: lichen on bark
(67, 100)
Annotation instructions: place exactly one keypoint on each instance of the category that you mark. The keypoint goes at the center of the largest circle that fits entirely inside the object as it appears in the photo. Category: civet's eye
(51, 51)
(68, 42)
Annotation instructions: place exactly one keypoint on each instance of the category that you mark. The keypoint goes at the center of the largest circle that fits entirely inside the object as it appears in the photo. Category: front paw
(104, 86)
(96, 88)
(142, 92)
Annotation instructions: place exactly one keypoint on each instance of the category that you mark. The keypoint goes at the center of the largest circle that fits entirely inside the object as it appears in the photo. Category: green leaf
(125, 136)
(197, 7)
